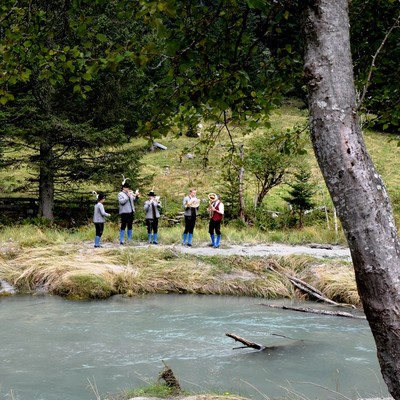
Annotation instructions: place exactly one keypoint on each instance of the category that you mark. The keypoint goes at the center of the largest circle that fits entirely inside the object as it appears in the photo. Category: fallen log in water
(245, 342)
(316, 311)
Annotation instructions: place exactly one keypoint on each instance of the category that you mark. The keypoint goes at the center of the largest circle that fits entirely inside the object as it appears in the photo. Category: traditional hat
(99, 196)
(152, 194)
(125, 184)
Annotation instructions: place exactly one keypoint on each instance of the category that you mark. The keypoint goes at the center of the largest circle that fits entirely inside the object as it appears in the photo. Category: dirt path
(315, 250)
(270, 249)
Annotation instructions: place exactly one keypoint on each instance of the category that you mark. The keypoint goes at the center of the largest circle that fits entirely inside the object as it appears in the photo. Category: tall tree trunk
(241, 174)
(46, 184)
(356, 188)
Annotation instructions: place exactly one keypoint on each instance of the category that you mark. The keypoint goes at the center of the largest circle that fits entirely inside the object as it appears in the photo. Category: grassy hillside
(185, 173)
(181, 167)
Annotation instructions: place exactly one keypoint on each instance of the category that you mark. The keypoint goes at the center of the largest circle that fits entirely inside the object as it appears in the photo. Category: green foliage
(218, 59)
(233, 165)
(37, 221)
(156, 390)
(271, 156)
(301, 193)
(78, 105)
(371, 24)
(267, 220)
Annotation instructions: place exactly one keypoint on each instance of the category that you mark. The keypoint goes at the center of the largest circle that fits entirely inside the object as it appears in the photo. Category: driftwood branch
(315, 311)
(245, 342)
(307, 288)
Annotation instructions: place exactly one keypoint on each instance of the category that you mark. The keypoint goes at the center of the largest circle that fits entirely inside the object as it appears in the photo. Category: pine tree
(301, 193)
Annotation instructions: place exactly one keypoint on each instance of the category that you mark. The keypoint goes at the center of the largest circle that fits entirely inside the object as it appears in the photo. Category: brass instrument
(212, 197)
(193, 203)
(154, 199)
(135, 193)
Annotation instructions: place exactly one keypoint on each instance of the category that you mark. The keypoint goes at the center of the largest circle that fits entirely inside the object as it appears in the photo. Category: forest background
(83, 101)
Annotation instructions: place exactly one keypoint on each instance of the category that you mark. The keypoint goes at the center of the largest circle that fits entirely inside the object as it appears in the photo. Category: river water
(53, 349)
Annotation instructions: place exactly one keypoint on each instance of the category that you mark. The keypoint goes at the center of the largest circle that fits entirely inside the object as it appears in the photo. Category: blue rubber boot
(190, 237)
(217, 241)
(155, 238)
(150, 237)
(121, 236)
(97, 241)
(129, 235)
(212, 241)
(184, 238)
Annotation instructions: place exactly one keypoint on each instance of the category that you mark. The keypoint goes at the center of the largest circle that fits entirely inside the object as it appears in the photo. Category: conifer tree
(301, 193)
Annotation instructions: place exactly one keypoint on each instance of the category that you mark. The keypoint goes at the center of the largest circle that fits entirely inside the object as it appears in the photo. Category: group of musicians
(152, 207)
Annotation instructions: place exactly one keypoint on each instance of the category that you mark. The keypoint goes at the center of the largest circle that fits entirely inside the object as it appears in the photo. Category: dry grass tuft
(62, 270)
(336, 281)
(77, 271)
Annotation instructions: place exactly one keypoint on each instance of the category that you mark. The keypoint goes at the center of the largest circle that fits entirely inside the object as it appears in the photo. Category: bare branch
(396, 24)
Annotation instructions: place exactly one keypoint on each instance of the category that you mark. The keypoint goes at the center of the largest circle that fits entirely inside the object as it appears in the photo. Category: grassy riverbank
(64, 266)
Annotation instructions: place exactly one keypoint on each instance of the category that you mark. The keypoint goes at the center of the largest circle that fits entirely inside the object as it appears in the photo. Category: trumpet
(156, 200)
(135, 193)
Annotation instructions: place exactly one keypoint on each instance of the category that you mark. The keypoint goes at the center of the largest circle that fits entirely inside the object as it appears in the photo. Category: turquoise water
(53, 349)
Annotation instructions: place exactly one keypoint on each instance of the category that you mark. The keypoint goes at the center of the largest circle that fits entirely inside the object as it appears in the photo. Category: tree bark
(355, 186)
(46, 184)
(241, 174)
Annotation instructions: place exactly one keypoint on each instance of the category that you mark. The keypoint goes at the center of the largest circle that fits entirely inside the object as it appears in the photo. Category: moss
(84, 287)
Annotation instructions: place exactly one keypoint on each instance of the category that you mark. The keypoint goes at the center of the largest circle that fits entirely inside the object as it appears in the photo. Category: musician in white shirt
(216, 210)
(191, 206)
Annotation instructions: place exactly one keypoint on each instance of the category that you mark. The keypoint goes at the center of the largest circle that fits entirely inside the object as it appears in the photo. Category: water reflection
(52, 348)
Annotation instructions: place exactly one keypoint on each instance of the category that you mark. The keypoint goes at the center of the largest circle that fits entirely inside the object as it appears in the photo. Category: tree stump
(170, 380)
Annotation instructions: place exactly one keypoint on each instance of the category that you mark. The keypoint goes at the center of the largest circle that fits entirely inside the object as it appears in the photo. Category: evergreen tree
(69, 108)
(301, 193)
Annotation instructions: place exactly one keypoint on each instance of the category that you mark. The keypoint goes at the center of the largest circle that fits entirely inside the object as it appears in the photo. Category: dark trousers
(190, 222)
(99, 228)
(126, 220)
(152, 225)
(214, 226)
